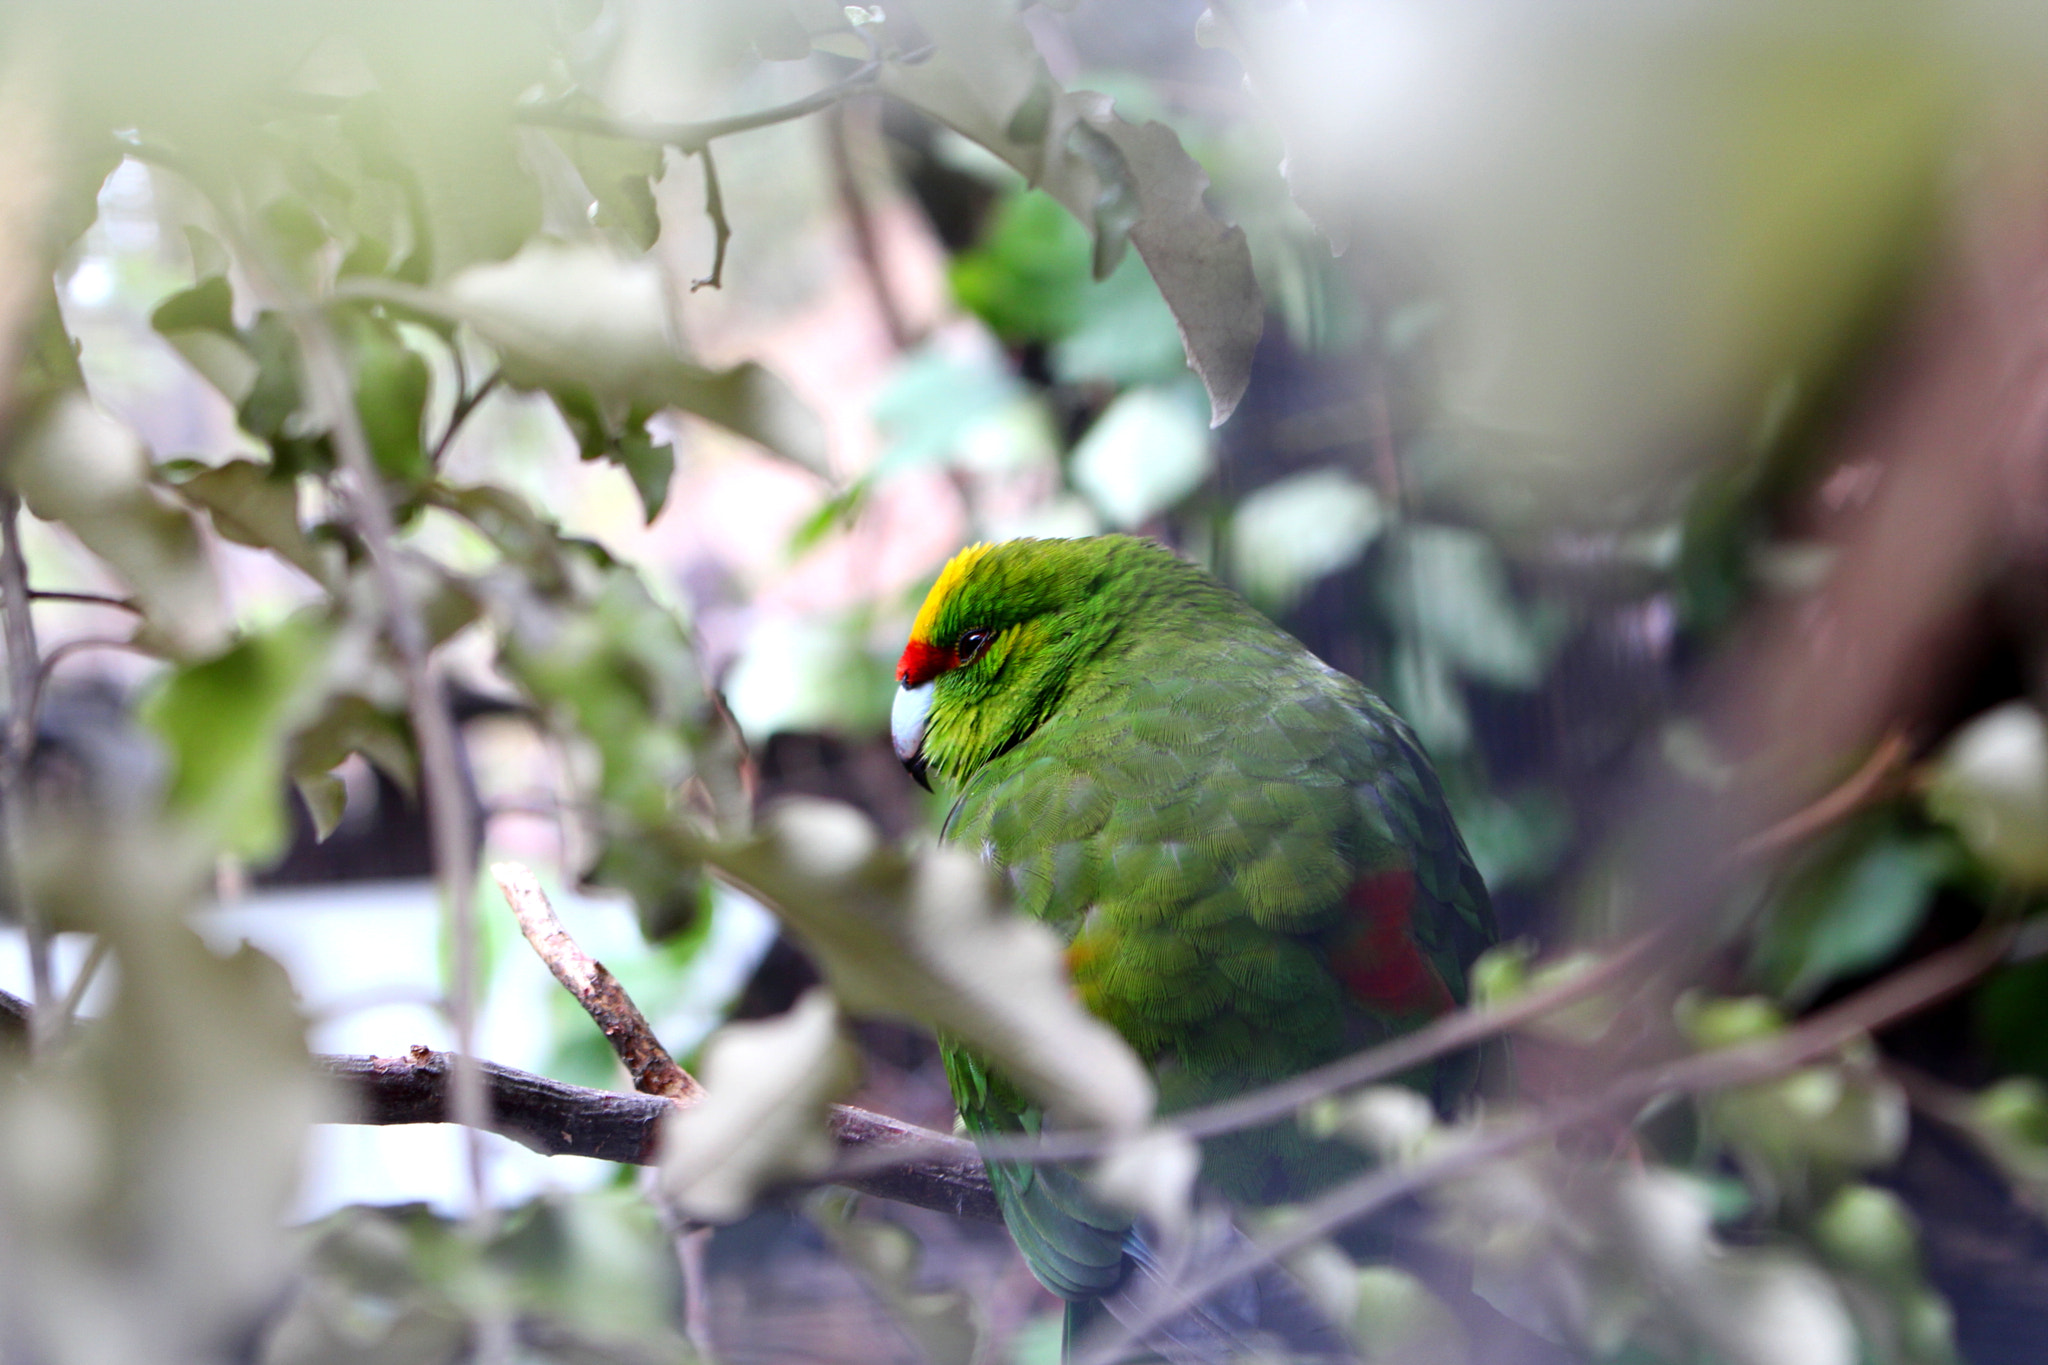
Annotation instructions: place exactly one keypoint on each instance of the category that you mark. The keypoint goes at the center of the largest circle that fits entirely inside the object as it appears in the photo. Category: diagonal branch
(654, 1072)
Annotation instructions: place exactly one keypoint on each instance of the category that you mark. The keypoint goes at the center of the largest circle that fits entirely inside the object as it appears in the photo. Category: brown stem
(721, 227)
(1869, 780)
(446, 795)
(654, 1072)
(867, 245)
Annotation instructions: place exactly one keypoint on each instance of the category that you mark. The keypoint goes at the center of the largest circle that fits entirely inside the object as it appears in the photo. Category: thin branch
(867, 246)
(1869, 781)
(558, 1119)
(90, 599)
(1927, 982)
(906, 1163)
(721, 228)
(694, 137)
(654, 1072)
(465, 404)
(447, 801)
(24, 691)
(74, 996)
(16, 1016)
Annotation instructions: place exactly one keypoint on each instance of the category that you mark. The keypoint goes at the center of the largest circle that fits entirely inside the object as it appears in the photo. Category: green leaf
(350, 722)
(227, 724)
(983, 78)
(1852, 909)
(648, 463)
(1029, 276)
(208, 306)
(2011, 1010)
(1030, 279)
(391, 381)
(251, 504)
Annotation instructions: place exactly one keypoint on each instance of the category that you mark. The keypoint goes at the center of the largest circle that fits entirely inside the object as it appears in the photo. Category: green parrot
(1246, 852)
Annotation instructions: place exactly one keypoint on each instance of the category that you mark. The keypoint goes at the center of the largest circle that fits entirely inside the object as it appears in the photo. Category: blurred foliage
(1517, 458)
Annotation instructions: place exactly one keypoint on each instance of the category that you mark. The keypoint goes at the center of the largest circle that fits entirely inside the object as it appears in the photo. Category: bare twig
(465, 404)
(24, 673)
(1927, 982)
(15, 1016)
(74, 995)
(654, 1072)
(721, 228)
(558, 1119)
(867, 246)
(89, 599)
(693, 137)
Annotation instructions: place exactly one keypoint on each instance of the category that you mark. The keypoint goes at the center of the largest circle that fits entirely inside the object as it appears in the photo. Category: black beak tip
(914, 765)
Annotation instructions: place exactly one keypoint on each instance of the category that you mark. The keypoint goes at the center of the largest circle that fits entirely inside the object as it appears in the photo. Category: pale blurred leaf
(1764, 183)
(227, 723)
(807, 673)
(326, 798)
(1291, 533)
(252, 504)
(585, 319)
(1828, 1117)
(1991, 784)
(80, 466)
(934, 401)
(762, 1120)
(928, 938)
(1145, 453)
(1450, 583)
(1152, 1175)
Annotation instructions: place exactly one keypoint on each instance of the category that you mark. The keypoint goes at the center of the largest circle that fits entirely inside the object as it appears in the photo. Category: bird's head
(996, 645)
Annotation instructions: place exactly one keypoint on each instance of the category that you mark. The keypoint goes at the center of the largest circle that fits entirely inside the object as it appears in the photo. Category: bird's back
(1249, 857)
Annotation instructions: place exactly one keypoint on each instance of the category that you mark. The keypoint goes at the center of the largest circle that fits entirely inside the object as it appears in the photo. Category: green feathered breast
(1246, 851)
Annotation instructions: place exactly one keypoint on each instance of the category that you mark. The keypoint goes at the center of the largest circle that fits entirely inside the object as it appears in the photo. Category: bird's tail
(1265, 1316)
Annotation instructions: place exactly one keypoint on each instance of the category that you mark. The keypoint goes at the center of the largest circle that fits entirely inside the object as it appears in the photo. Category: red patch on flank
(922, 662)
(1378, 962)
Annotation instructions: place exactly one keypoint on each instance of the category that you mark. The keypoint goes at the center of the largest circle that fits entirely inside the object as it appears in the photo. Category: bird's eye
(971, 642)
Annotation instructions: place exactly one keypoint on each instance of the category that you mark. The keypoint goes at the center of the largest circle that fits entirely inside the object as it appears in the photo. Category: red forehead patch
(921, 662)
